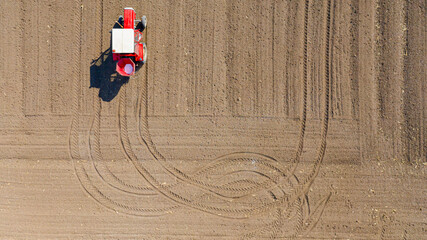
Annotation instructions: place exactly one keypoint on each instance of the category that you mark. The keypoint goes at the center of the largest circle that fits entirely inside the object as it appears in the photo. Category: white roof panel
(123, 40)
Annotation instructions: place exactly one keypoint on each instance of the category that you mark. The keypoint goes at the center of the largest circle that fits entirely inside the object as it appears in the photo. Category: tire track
(95, 155)
(221, 211)
(83, 176)
(124, 140)
(78, 163)
(103, 171)
(126, 145)
(287, 201)
(321, 151)
(266, 229)
(270, 163)
(273, 229)
(73, 129)
(157, 155)
(98, 29)
(236, 213)
(354, 60)
(145, 139)
(107, 202)
(175, 172)
(303, 119)
(314, 217)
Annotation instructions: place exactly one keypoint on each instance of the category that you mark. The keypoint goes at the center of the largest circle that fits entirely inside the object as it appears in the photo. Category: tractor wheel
(145, 53)
(144, 22)
(121, 20)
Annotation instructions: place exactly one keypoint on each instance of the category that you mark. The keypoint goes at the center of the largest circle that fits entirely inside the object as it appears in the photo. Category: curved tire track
(73, 135)
(103, 171)
(285, 202)
(195, 179)
(99, 164)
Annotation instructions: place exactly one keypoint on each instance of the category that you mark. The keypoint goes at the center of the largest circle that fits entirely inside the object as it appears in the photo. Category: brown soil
(251, 119)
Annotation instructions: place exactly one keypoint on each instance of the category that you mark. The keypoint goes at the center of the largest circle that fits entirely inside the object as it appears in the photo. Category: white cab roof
(123, 40)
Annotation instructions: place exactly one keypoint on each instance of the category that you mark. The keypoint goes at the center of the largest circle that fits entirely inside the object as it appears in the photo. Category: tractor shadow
(103, 75)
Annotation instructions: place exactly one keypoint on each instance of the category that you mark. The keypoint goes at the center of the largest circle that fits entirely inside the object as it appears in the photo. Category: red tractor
(127, 45)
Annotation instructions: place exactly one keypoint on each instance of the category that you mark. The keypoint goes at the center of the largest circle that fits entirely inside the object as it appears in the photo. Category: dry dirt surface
(266, 119)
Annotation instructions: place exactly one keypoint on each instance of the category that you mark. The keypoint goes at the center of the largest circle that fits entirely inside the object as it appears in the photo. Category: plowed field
(266, 119)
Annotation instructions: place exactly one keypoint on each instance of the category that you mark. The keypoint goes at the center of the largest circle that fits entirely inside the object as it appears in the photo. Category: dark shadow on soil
(103, 75)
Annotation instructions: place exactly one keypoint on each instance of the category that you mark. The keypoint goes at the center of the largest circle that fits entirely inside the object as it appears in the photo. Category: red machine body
(127, 45)
(129, 18)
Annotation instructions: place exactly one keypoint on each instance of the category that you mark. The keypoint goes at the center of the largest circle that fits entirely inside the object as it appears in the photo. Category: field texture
(266, 119)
